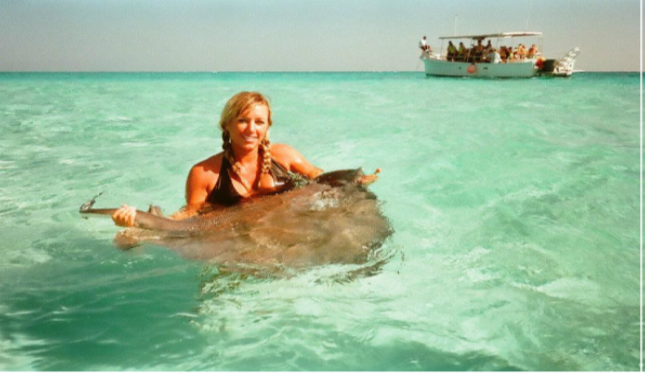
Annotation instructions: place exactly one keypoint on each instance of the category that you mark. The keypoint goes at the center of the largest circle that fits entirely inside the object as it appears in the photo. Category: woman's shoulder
(201, 180)
(211, 165)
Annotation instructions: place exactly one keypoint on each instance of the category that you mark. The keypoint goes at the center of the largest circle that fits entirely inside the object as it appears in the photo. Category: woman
(248, 166)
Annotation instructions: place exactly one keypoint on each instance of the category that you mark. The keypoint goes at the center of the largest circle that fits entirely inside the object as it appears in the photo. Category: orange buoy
(472, 69)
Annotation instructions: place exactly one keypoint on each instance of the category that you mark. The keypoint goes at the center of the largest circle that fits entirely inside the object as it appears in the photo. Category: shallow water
(515, 205)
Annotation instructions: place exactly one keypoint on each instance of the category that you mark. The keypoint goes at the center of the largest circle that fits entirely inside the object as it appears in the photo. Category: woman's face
(250, 127)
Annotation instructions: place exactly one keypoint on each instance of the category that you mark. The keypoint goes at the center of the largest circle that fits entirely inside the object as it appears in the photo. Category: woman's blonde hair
(235, 106)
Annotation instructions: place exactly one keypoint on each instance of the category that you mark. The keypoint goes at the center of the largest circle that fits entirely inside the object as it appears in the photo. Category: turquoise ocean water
(515, 205)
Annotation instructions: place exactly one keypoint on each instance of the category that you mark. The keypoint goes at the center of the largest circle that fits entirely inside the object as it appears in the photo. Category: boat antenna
(455, 31)
(528, 17)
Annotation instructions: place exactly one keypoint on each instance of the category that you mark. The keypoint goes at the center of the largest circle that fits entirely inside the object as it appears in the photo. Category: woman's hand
(125, 216)
(369, 179)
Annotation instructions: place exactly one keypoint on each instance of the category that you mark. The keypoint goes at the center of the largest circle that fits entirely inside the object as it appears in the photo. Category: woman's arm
(200, 182)
(295, 162)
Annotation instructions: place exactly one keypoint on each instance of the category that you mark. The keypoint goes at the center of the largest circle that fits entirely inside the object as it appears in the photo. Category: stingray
(332, 219)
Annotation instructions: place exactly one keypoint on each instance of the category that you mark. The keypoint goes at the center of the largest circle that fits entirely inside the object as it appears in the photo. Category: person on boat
(510, 55)
(452, 51)
(461, 52)
(494, 57)
(249, 165)
(478, 51)
(488, 48)
(486, 53)
(521, 52)
(533, 52)
(502, 53)
(423, 44)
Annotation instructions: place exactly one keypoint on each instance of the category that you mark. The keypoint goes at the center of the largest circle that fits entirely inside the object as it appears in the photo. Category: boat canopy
(498, 35)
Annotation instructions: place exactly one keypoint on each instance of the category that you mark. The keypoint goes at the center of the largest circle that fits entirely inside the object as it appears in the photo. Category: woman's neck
(246, 158)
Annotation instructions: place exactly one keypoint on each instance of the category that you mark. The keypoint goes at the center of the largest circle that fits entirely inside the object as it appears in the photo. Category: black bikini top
(224, 192)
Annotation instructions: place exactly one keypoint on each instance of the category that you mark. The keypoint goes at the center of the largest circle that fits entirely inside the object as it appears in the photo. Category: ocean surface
(514, 204)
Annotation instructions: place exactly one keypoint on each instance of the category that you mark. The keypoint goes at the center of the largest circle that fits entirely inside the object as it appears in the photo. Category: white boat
(477, 65)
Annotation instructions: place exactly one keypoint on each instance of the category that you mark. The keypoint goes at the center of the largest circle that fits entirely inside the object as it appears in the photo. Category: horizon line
(246, 72)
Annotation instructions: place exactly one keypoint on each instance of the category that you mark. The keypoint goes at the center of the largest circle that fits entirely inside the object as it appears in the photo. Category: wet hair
(235, 106)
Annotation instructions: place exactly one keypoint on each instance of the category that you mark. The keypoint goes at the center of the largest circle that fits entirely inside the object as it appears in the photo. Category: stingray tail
(153, 219)
(88, 205)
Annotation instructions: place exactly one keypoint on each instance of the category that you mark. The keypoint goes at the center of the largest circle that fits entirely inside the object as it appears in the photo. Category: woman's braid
(266, 179)
(228, 152)
(265, 145)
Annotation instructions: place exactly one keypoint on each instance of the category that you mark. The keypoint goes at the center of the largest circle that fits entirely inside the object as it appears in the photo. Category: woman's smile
(250, 127)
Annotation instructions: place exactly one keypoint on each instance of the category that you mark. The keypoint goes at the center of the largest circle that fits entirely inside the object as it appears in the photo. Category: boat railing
(428, 55)
(482, 59)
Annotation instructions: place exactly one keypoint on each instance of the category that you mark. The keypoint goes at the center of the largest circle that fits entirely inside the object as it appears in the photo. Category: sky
(298, 35)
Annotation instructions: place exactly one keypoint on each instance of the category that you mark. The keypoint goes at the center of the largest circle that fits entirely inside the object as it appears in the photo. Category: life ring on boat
(539, 63)
(472, 69)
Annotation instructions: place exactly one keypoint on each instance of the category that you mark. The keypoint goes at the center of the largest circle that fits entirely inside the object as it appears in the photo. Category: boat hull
(524, 69)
